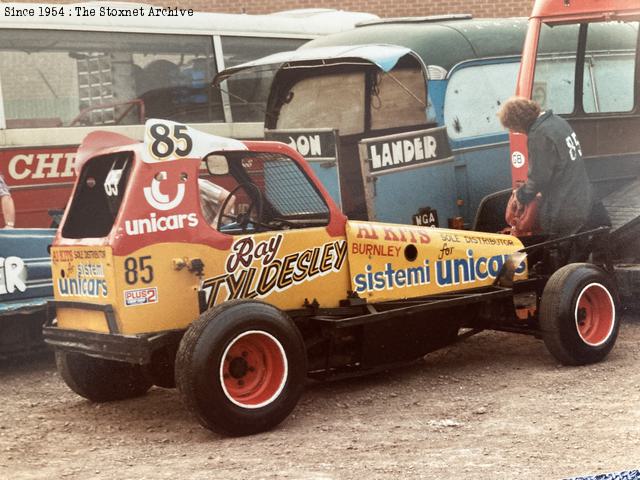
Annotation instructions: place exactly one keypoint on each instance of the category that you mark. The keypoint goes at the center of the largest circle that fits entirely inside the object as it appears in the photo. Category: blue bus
(398, 116)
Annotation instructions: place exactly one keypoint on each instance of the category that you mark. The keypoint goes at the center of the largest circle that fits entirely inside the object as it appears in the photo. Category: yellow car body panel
(288, 269)
(393, 262)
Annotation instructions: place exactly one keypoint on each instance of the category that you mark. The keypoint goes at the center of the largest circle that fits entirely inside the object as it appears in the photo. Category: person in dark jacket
(556, 169)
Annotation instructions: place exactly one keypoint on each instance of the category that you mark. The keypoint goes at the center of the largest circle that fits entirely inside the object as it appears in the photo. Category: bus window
(609, 69)
(398, 99)
(474, 95)
(89, 72)
(248, 92)
(308, 106)
(76, 78)
(554, 81)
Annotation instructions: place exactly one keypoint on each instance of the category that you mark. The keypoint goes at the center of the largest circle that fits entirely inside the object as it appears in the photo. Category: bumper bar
(110, 346)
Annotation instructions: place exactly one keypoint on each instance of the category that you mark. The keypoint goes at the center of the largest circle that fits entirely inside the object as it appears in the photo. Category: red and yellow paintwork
(286, 268)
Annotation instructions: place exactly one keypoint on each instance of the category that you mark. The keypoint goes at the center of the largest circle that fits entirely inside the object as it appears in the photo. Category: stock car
(239, 298)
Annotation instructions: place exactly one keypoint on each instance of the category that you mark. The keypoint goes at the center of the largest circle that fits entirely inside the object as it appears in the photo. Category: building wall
(383, 8)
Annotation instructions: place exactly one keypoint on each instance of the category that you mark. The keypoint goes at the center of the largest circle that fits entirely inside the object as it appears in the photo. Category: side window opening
(212, 196)
(248, 91)
(62, 78)
(289, 191)
(98, 196)
(262, 192)
(309, 105)
(607, 74)
(609, 69)
(356, 99)
(554, 80)
(474, 96)
(398, 99)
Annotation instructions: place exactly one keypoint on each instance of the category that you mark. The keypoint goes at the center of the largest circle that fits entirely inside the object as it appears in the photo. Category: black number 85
(136, 268)
(166, 144)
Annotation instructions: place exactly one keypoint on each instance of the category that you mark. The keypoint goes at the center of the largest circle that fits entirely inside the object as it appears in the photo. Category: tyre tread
(100, 380)
(555, 298)
(185, 370)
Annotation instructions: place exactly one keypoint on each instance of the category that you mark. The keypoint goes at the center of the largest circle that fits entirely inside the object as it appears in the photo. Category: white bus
(68, 69)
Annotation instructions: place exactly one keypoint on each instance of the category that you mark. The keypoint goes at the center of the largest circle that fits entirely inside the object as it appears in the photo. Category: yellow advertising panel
(157, 288)
(287, 269)
(145, 291)
(154, 292)
(85, 275)
(389, 262)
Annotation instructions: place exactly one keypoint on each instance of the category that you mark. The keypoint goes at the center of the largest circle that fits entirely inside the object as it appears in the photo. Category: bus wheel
(101, 380)
(241, 367)
(578, 314)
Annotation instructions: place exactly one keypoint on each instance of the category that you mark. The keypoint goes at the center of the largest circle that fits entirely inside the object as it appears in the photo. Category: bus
(66, 70)
(398, 116)
(404, 111)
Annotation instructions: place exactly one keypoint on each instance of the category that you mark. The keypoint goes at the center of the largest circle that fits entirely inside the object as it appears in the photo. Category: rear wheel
(578, 314)
(101, 380)
(241, 367)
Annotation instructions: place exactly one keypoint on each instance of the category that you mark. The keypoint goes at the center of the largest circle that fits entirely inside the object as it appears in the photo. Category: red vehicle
(594, 90)
(594, 85)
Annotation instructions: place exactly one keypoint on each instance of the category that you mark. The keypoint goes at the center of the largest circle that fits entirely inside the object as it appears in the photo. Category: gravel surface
(493, 406)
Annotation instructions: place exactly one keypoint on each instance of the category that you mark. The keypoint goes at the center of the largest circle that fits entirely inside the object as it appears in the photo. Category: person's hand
(518, 207)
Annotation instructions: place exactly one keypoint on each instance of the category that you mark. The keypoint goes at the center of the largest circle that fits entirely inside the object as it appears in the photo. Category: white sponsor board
(140, 296)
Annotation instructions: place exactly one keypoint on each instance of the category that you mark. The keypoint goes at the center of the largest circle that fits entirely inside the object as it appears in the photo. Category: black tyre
(578, 314)
(101, 380)
(241, 367)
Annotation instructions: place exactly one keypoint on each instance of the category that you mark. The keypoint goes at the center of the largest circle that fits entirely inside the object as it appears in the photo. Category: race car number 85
(135, 269)
(167, 143)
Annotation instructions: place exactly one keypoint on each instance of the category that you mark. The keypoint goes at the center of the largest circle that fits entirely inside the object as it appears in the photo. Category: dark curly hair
(518, 114)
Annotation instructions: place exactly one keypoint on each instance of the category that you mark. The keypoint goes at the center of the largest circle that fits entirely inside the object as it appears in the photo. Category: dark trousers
(580, 248)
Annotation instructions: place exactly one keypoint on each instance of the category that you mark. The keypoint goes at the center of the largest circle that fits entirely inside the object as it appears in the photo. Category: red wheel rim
(595, 314)
(253, 369)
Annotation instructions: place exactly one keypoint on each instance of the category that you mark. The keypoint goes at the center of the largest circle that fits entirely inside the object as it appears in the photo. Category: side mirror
(217, 164)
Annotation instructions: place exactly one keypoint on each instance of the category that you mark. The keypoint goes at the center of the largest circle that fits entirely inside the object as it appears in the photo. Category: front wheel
(241, 367)
(578, 314)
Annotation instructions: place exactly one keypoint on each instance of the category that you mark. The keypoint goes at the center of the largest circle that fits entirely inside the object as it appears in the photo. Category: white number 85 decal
(573, 144)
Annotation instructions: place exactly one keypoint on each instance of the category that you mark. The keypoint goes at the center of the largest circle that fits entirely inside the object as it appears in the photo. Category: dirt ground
(493, 406)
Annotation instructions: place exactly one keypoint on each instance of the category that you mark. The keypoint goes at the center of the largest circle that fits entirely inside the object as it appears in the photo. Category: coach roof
(437, 43)
(444, 43)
